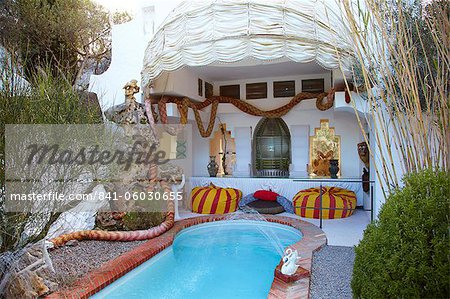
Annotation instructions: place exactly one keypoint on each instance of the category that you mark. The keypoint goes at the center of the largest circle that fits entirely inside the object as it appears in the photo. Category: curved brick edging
(313, 239)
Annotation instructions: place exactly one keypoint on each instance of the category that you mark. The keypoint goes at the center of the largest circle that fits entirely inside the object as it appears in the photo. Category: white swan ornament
(290, 259)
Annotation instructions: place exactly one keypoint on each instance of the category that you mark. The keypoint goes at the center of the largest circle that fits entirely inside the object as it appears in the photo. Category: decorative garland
(184, 103)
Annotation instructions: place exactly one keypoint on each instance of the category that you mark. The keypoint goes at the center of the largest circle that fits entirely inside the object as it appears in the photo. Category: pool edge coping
(313, 239)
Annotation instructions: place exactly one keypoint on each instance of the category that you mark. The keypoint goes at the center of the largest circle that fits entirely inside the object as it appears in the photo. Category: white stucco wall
(182, 82)
(304, 114)
(129, 43)
(12, 74)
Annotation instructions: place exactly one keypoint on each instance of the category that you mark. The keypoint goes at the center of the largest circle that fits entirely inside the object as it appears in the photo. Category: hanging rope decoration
(183, 105)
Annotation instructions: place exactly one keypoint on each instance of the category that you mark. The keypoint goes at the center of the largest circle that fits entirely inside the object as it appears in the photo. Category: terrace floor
(339, 232)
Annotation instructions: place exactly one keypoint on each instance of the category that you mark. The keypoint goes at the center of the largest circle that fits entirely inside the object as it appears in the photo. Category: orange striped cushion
(307, 203)
(215, 200)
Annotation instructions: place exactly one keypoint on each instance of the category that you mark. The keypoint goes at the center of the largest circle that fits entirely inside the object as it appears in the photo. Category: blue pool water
(224, 259)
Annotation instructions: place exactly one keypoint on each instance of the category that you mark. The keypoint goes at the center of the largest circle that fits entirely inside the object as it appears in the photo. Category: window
(313, 85)
(256, 91)
(200, 87)
(208, 90)
(272, 148)
(232, 91)
(282, 89)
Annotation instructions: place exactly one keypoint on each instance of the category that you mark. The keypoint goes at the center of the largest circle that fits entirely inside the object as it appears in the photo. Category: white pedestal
(175, 189)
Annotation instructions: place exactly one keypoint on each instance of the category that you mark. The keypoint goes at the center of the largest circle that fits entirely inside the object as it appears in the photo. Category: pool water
(224, 259)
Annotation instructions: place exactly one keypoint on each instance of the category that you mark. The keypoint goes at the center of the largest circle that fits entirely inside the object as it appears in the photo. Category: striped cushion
(307, 203)
(215, 200)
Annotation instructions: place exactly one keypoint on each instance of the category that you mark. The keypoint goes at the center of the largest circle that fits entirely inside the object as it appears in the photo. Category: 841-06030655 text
(109, 196)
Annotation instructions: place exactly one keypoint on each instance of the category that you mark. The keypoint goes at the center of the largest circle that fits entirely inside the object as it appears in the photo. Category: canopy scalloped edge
(227, 31)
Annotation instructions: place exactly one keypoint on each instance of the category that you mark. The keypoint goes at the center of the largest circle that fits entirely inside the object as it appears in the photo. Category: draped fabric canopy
(200, 33)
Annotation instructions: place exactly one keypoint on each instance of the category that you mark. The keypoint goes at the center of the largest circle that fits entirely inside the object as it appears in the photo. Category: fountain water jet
(248, 213)
(289, 256)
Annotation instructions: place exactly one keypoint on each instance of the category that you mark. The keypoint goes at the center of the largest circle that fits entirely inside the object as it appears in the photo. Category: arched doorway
(271, 148)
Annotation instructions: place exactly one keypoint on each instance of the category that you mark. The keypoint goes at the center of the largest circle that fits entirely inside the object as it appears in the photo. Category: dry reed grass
(402, 58)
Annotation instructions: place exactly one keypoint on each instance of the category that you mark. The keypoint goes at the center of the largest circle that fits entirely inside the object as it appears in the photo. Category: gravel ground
(72, 262)
(332, 269)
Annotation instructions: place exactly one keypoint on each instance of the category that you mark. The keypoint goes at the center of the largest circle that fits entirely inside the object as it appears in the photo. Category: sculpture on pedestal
(131, 116)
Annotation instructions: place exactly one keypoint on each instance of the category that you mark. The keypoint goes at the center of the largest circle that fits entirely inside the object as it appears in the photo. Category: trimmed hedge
(405, 254)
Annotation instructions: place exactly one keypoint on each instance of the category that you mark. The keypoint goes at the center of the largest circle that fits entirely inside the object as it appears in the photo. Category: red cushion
(265, 195)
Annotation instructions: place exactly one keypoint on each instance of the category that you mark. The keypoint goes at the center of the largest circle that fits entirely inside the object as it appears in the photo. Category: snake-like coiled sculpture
(184, 103)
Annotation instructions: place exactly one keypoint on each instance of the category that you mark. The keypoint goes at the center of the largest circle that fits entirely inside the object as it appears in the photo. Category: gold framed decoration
(324, 146)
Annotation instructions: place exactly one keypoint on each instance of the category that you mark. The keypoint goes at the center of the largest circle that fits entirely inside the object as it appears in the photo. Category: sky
(132, 6)
(114, 5)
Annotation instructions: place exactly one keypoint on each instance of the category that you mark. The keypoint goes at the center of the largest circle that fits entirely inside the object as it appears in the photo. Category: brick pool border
(312, 240)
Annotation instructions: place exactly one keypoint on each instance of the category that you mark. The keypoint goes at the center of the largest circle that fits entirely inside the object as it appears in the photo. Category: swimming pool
(224, 259)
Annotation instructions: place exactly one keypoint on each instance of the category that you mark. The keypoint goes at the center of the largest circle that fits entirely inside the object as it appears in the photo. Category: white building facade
(177, 49)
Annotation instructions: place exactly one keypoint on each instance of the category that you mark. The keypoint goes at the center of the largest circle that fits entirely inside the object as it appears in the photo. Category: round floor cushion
(215, 200)
(266, 207)
(307, 203)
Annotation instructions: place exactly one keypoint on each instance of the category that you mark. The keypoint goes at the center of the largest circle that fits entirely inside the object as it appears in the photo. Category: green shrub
(49, 100)
(142, 220)
(405, 254)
